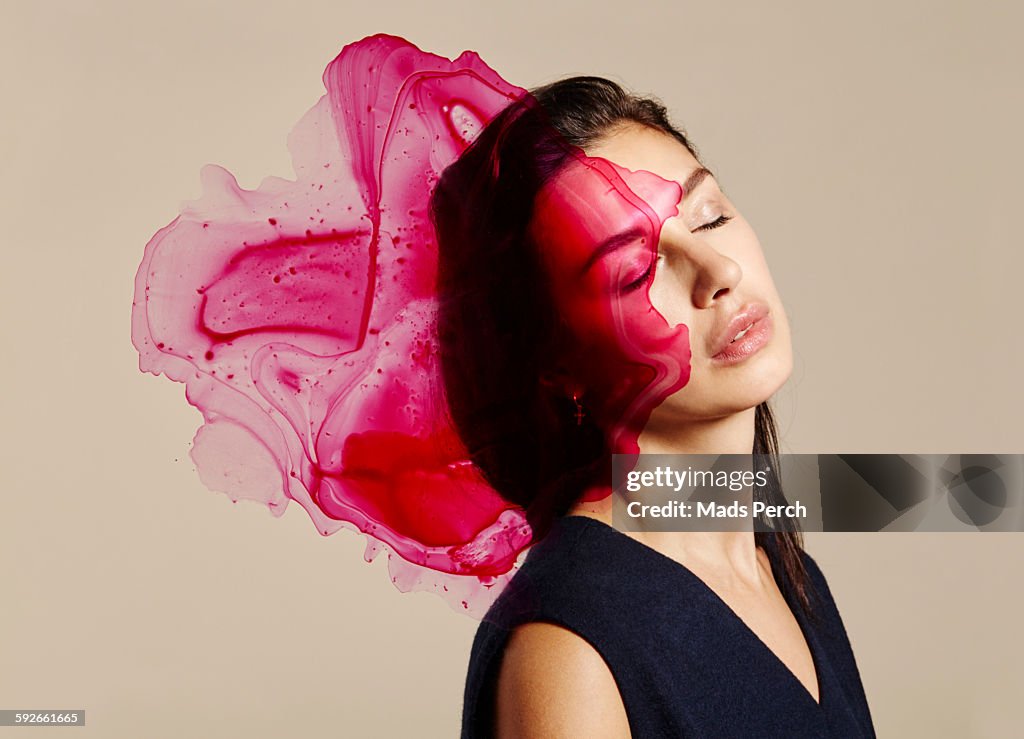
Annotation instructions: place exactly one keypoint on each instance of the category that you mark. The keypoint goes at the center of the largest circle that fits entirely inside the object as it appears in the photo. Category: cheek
(625, 351)
(617, 324)
(670, 297)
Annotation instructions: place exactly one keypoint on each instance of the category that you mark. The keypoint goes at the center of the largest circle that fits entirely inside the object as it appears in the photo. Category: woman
(601, 294)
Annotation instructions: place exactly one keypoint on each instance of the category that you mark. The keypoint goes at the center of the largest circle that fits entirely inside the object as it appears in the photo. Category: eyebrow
(696, 177)
(623, 238)
(610, 244)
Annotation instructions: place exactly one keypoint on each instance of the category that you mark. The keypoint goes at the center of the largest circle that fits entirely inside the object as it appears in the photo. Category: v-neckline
(807, 633)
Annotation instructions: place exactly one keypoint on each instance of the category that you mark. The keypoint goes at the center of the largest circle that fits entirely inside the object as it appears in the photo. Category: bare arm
(553, 684)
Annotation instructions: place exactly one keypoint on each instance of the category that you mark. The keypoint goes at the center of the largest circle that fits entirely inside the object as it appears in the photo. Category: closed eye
(639, 282)
(717, 223)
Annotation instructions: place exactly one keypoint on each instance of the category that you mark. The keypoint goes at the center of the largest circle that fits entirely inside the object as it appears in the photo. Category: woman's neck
(729, 554)
(732, 434)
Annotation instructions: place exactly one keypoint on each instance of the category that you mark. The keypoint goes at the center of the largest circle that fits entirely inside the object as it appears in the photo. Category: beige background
(875, 147)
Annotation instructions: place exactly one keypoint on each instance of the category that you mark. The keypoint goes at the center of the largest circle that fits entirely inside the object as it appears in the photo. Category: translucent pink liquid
(300, 318)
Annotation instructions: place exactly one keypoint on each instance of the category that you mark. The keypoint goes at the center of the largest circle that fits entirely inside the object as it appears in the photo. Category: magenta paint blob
(300, 317)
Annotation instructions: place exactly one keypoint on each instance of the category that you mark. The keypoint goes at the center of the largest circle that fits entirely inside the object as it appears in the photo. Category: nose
(717, 274)
(713, 273)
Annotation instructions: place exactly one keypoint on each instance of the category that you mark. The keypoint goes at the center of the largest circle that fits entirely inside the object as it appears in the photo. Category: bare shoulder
(553, 683)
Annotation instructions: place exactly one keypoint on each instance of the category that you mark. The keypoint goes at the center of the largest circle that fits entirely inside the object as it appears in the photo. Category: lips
(737, 325)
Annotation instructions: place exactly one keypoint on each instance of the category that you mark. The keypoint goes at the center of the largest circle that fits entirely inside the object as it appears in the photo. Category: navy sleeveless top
(685, 664)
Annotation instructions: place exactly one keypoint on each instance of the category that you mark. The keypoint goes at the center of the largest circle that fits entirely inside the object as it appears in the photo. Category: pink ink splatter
(300, 317)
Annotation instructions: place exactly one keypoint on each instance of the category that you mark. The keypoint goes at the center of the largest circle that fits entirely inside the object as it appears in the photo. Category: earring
(579, 408)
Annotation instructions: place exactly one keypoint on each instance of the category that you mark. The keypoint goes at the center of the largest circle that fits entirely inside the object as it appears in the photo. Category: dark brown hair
(499, 332)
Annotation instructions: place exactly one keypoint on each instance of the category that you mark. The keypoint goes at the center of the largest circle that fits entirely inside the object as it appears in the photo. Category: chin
(764, 379)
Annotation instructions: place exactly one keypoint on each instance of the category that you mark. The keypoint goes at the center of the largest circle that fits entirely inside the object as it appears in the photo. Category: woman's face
(654, 271)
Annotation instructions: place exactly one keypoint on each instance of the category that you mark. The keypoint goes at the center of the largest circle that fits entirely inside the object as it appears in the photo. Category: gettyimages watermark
(818, 492)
